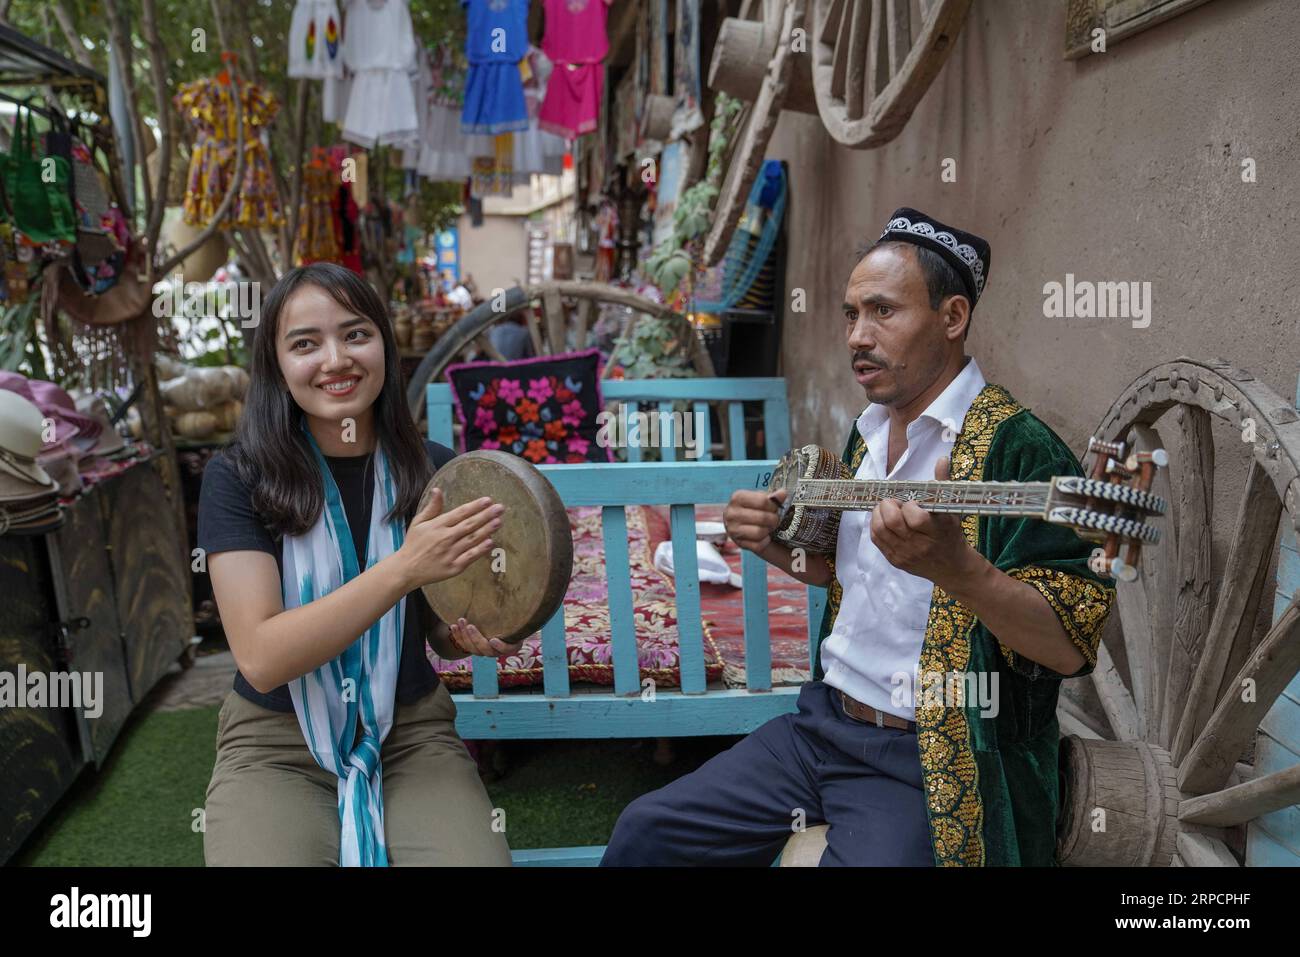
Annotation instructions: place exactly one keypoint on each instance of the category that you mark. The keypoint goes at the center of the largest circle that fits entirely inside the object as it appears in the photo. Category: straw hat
(20, 441)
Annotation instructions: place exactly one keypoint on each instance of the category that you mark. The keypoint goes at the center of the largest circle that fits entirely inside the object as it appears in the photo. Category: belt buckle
(880, 717)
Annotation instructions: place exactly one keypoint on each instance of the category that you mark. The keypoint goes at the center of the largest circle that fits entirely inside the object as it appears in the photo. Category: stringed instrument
(1111, 505)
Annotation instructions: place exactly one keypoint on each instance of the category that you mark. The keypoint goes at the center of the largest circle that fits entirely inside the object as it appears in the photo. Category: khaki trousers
(270, 804)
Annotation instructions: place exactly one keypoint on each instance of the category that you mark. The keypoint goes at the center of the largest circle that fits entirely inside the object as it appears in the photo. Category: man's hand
(927, 544)
(751, 517)
(471, 641)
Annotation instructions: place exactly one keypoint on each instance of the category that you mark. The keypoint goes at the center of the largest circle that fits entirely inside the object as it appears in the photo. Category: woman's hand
(439, 545)
(469, 640)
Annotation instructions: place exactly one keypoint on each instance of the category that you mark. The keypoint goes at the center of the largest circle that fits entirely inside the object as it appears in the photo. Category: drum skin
(506, 594)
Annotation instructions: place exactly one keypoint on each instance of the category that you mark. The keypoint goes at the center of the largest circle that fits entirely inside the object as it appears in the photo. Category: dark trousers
(742, 806)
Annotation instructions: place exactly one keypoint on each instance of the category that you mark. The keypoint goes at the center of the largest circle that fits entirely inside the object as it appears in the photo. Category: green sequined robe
(991, 782)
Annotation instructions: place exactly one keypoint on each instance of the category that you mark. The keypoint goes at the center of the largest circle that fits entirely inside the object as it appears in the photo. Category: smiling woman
(338, 743)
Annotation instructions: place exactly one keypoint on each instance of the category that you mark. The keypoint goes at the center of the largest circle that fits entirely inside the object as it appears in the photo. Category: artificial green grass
(139, 808)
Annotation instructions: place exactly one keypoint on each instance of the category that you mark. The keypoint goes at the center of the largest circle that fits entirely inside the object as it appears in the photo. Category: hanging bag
(41, 211)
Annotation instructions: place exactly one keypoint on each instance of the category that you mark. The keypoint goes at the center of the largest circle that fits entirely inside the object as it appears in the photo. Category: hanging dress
(315, 40)
(208, 105)
(379, 49)
(496, 39)
(576, 43)
(537, 151)
(317, 240)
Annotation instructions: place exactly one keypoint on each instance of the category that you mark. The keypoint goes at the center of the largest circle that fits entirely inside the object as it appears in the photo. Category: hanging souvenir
(209, 106)
(496, 39)
(317, 239)
(315, 35)
(379, 50)
(576, 43)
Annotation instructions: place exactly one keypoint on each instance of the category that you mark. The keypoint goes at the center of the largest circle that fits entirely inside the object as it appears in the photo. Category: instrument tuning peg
(1123, 571)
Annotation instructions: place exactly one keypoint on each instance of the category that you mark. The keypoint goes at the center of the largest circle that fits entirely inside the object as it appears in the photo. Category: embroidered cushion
(544, 410)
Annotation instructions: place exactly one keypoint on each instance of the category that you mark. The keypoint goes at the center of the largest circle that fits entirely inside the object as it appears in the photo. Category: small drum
(812, 529)
(514, 589)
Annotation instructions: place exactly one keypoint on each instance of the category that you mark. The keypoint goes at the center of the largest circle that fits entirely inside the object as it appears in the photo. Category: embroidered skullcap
(966, 252)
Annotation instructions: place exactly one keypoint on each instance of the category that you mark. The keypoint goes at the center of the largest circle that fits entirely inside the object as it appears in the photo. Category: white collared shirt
(881, 622)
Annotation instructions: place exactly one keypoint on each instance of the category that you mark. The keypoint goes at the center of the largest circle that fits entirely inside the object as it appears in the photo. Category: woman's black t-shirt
(227, 523)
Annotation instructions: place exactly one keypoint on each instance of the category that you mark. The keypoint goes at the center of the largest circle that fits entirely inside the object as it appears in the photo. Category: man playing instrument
(928, 734)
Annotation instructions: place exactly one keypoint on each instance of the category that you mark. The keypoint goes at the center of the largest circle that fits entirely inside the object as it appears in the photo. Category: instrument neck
(1027, 499)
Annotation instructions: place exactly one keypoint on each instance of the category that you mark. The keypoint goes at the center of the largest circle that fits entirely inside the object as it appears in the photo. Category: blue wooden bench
(631, 710)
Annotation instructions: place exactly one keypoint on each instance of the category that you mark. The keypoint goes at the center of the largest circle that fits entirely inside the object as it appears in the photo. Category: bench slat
(703, 432)
(555, 656)
(736, 425)
(686, 571)
(758, 643)
(667, 434)
(622, 623)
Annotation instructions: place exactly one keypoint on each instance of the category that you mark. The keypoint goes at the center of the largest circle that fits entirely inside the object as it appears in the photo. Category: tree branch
(157, 61)
(70, 34)
(121, 41)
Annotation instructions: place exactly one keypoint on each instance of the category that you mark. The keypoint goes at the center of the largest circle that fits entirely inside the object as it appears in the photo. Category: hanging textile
(315, 35)
(209, 106)
(494, 175)
(576, 43)
(536, 150)
(379, 49)
(496, 39)
(317, 236)
(746, 277)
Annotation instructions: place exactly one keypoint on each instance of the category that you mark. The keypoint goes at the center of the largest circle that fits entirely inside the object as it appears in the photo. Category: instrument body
(1102, 508)
(513, 590)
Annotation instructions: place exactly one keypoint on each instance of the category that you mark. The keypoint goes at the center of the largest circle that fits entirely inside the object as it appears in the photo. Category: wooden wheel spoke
(1116, 701)
(898, 33)
(1203, 850)
(1244, 802)
(829, 30)
(861, 58)
(1227, 641)
(841, 57)
(1195, 539)
(1232, 724)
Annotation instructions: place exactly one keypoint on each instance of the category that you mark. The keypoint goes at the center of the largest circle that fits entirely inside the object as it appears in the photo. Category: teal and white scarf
(357, 687)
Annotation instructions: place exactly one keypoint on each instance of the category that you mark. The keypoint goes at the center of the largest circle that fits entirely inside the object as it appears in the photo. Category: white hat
(20, 438)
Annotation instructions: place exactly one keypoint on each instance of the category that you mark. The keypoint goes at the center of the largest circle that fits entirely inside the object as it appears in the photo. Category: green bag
(41, 210)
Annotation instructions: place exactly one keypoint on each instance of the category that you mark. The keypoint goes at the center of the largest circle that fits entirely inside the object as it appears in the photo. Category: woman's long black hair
(270, 450)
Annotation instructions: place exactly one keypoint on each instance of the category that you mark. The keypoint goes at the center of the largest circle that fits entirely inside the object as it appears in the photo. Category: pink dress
(576, 42)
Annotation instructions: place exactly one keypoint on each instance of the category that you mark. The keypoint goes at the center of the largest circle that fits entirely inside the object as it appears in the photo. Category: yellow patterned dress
(209, 106)
(316, 239)
(990, 781)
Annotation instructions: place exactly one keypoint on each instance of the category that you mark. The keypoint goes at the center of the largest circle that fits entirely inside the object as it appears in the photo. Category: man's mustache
(871, 357)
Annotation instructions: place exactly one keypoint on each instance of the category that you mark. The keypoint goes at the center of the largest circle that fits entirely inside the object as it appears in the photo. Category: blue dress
(495, 42)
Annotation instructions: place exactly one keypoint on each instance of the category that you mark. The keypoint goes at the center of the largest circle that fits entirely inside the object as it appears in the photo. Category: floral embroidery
(545, 411)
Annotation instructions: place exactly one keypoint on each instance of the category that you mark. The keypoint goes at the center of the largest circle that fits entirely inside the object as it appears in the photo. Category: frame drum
(513, 590)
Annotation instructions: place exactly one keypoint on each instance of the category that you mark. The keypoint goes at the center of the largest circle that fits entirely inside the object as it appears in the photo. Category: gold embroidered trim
(1080, 604)
(834, 592)
(948, 769)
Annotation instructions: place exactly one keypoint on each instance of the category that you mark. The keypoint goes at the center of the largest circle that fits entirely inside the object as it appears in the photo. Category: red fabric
(586, 618)
(723, 610)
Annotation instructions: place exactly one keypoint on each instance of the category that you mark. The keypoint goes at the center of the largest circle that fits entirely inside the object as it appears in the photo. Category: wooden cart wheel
(871, 65)
(1179, 676)
(776, 33)
(550, 336)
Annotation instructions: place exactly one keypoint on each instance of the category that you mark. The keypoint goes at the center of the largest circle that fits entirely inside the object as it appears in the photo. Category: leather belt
(881, 719)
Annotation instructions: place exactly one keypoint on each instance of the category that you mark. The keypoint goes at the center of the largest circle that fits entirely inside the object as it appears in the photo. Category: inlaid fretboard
(965, 498)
